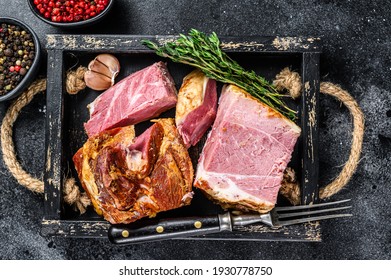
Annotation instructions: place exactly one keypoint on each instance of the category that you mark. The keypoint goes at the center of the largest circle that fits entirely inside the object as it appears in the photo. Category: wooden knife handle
(156, 230)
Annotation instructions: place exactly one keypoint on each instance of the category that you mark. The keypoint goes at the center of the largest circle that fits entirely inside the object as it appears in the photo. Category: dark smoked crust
(78, 162)
(167, 181)
(180, 156)
(93, 144)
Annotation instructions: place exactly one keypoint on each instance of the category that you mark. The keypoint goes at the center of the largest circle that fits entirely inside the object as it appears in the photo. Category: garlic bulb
(102, 72)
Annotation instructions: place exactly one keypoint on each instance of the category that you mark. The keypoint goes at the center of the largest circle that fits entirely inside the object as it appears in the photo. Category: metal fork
(282, 216)
(156, 230)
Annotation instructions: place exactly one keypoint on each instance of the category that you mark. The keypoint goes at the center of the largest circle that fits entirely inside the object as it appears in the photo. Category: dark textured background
(356, 55)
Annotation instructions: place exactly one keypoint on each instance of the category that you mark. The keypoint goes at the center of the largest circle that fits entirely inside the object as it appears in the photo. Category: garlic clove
(97, 81)
(111, 62)
(98, 67)
(104, 68)
(107, 65)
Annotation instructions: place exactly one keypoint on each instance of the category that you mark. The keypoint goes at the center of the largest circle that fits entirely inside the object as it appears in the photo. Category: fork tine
(297, 214)
(311, 219)
(291, 208)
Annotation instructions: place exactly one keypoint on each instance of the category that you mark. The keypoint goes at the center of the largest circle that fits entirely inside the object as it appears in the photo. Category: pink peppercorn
(70, 10)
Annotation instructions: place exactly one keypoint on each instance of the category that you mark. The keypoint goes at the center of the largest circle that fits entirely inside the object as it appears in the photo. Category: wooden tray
(66, 115)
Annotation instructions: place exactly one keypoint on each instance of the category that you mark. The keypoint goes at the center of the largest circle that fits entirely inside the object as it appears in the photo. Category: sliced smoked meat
(143, 95)
(242, 163)
(196, 107)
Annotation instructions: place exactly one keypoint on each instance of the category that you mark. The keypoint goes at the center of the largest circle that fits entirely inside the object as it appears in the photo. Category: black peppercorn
(22, 71)
(8, 52)
(17, 52)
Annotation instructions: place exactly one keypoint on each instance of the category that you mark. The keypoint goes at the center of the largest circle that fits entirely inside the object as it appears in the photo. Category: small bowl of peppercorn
(19, 57)
(70, 13)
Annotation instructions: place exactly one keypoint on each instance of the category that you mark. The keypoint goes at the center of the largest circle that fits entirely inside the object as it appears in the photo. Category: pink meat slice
(143, 95)
(196, 107)
(248, 149)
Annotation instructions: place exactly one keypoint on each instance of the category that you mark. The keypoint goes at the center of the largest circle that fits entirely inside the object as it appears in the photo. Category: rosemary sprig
(204, 52)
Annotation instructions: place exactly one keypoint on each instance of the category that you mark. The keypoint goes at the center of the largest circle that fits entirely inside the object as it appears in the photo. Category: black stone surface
(356, 55)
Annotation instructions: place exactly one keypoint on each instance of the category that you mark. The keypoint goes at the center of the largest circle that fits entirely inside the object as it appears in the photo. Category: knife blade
(163, 229)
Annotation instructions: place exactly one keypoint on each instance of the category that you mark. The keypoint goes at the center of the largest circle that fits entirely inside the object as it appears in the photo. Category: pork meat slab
(143, 95)
(242, 163)
(128, 178)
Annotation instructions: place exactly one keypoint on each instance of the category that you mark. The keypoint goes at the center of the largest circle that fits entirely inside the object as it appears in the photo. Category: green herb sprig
(204, 52)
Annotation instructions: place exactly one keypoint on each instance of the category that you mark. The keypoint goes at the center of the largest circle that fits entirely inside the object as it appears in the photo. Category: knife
(157, 230)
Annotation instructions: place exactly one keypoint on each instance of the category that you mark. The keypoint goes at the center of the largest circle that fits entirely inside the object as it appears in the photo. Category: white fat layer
(145, 187)
(187, 196)
(91, 108)
(294, 127)
(144, 199)
(117, 94)
(230, 192)
(134, 160)
(191, 100)
(206, 79)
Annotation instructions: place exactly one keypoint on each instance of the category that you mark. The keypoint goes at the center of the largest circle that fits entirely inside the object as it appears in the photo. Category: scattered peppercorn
(70, 10)
(22, 71)
(17, 52)
(8, 52)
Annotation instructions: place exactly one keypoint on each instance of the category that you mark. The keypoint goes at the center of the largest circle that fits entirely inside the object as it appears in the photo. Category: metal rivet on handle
(197, 224)
(159, 229)
(125, 233)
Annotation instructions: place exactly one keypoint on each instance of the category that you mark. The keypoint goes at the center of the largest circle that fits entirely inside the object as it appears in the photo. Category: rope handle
(290, 188)
(72, 194)
(291, 81)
